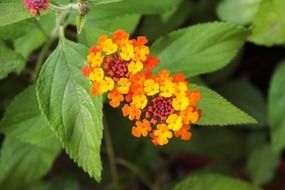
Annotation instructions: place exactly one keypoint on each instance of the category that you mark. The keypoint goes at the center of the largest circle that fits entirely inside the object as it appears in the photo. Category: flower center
(160, 108)
(116, 68)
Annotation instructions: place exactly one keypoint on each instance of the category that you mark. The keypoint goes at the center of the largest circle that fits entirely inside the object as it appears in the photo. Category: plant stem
(133, 168)
(41, 57)
(111, 155)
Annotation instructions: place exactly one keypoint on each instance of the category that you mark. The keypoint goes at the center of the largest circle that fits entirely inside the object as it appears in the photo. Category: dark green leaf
(213, 182)
(247, 97)
(276, 108)
(262, 163)
(10, 61)
(199, 49)
(74, 115)
(30, 147)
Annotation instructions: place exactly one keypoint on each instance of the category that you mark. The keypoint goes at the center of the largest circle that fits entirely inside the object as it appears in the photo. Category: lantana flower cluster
(160, 106)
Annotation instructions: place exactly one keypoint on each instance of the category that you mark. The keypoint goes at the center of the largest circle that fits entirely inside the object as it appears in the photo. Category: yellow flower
(139, 101)
(174, 122)
(135, 67)
(109, 47)
(151, 87)
(127, 52)
(106, 84)
(162, 134)
(97, 75)
(180, 103)
(95, 60)
(167, 89)
(124, 85)
(141, 53)
(180, 89)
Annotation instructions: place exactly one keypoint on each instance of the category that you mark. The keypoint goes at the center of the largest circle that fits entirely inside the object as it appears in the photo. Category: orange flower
(131, 111)
(141, 129)
(115, 98)
(183, 133)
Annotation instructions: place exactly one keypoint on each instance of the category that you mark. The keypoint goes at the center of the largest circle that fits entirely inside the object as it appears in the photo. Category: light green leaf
(10, 61)
(218, 111)
(199, 49)
(213, 182)
(276, 108)
(13, 31)
(73, 114)
(247, 97)
(12, 11)
(269, 23)
(262, 163)
(30, 147)
(239, 12)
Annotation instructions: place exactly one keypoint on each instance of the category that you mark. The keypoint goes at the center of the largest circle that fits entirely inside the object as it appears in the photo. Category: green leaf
(269, 23)
(247, 97)
(164, 23)
(199, 49)
(30, 147)
(89, 36)
(213, 182)
(125, 22)
(13, 31)
(12, 11)
(132, 7)
(74, 115)
(39, 33)
(239, 12)
(218, 111)
(276, 108)
(95, 28)
(10, 61)
(262, 164)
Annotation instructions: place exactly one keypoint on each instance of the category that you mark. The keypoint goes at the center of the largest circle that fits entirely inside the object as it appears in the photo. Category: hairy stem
(111, 155)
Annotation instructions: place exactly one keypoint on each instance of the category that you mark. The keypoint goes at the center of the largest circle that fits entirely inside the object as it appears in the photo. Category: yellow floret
(127, 52)
(109, 47)
(174, 122)
(135, 67)
(180, 103)
(139, 101)
(167, 89)
(151, 87)
(124, 85)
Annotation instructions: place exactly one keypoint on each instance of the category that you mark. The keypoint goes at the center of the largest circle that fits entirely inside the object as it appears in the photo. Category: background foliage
(229, 49)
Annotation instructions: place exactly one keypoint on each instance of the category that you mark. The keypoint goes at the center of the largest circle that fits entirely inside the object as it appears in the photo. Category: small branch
(41, 57)
(133, 168)
(111, 155)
